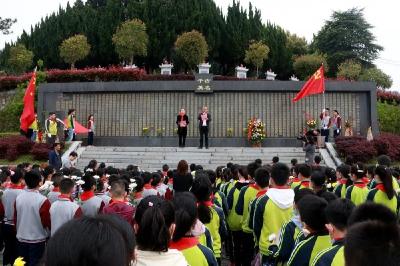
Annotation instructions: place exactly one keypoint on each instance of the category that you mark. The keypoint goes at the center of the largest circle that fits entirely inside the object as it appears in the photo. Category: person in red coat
(182, 121)
(336, 123)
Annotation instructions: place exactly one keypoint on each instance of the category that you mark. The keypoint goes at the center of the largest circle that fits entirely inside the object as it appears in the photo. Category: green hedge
(389, 118)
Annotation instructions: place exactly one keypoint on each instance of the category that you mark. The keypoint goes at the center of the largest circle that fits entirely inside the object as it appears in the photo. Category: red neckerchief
(138, 195)
(86, 195)
(380, 187)
(343, 181)
(360, 184)
(56, 189)
(147, 186)
(261, 192)
(305, 183)
(63, 196)
(181, 117)
(255, 186)
(365, 180)
(208, 203)
(296, 179)
(281, 187)
(15, 186)
(184, 243)
(171, 181)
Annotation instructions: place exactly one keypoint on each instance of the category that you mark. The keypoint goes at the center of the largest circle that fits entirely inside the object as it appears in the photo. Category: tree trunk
(73, 65)
(132, 60)
(257, 73)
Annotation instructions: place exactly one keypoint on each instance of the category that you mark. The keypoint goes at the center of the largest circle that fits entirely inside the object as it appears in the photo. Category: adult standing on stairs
(182, 121)
(204, 124)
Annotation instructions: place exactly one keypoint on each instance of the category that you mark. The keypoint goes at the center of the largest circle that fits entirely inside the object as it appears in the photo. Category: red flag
(315, 85)
(79, 129)
(28, 114)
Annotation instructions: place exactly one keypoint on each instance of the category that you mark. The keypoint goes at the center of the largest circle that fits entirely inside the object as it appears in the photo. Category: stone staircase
(152, 158)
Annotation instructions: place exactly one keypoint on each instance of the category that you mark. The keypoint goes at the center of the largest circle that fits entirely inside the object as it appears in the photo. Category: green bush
(388, 117)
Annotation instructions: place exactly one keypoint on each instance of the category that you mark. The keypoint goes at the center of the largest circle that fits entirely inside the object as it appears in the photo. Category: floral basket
(255, 131)
(311, 123)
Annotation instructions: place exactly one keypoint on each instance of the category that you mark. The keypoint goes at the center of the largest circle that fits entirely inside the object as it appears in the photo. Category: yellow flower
(19, 262)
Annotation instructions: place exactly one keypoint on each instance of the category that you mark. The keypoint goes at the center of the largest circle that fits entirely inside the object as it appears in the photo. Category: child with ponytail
(209, 214)
(357, 192)
(384, 193)
(183, 239)
(344, 180)
(154, 227)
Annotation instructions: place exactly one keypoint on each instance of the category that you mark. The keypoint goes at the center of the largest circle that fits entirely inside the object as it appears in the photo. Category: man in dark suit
(55, 156)
(204, 123)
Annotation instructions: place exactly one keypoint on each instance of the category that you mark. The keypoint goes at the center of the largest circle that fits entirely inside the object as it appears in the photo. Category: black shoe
(207, 148)
(200, 147)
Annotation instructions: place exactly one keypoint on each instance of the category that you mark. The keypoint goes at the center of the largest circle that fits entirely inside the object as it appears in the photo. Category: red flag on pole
(28, 114)
(315, 85)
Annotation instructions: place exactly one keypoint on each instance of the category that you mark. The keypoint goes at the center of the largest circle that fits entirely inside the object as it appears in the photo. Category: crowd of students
(269, 214)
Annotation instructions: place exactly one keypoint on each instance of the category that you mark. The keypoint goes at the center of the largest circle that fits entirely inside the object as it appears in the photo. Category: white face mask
(296, 219)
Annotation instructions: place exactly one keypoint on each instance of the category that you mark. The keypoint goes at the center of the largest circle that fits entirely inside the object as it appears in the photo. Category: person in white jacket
(154, 227)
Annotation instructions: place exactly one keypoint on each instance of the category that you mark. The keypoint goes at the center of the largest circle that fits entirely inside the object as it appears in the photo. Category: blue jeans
(70, 134)
(34, 136)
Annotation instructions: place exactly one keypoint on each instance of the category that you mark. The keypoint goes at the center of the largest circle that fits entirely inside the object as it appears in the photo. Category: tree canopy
(20, 59)
(192, 48)
(305, 65)
(376, 75)
(5, 25)
(347, 35)
(131, 40)
(256, 54)
(74, 49)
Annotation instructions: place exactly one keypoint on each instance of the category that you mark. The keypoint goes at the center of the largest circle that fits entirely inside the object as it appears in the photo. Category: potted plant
(160, 132)
(229, 132)
(255, 132)
(348, 129)
(146, 131)
(311, 124)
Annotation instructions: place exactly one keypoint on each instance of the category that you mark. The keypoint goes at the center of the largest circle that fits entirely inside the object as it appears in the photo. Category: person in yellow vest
(34, 127)
(51, 127)
(71, 125)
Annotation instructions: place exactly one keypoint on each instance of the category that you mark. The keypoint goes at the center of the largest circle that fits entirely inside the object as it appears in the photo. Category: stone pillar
(166, 69)
(204, 68)
(241, 72)
(270, 75)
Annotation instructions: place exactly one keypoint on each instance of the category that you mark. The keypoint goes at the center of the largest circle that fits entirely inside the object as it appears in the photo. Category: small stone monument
(166, 68)
(204, 68)
(294, 78)
(241, 72)
(270, 75)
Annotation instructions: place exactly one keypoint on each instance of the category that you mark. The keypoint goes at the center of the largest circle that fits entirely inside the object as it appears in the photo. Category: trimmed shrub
(358, 147)
(388, 117)
(40, 151)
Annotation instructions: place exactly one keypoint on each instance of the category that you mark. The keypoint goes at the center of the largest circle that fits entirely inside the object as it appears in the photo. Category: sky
(303, 18)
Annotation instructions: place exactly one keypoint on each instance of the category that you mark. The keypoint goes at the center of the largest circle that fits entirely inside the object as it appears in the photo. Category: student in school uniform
(337, 214)
(291, 232)
(246, 196)
(55, 192)
(234, 220)
(148, 189)
(101, 189)
(357, 192)
(209, 214)
(154, 227)
(304, 176)
(312, 214)
(183, 240)
(64, 209)
(32, 220)
(8, 228)
(344, 180)
(118, 206)
(272, 210)
(91, 204)
(384, 193)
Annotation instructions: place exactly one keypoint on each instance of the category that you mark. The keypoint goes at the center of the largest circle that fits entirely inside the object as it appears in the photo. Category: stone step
(152, 158)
